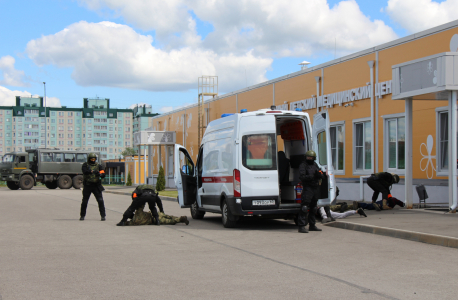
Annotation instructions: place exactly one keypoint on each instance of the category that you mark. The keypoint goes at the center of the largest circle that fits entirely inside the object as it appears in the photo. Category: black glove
(318, 175)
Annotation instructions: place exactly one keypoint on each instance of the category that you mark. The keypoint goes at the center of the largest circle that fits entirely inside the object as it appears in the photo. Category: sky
(153, 51)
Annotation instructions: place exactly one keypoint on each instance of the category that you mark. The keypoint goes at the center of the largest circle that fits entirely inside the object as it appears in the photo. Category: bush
(160, 184)
(129, 180)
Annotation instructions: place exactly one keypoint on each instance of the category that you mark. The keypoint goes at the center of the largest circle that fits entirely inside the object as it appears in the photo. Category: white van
(241, 172)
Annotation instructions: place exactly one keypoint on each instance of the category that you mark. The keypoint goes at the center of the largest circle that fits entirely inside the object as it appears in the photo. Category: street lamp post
(46, 121)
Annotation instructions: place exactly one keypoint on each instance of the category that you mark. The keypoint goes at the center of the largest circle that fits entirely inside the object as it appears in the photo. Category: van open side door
(185, 177)
(322, 146)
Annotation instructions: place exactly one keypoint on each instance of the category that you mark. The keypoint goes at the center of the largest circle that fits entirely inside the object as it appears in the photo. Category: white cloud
(8, 97)
(166, 109)
(279, 28)
(109, 54)
(11, 76)
(417, 15)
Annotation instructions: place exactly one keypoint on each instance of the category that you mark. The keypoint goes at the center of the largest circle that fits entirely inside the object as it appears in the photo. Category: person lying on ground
(328, 215)
(384, 204)
(140, 196)
(146, 218)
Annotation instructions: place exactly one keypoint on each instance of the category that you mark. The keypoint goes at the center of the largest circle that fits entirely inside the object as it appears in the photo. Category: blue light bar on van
(243, 110)
(226, 115)
(298, 109)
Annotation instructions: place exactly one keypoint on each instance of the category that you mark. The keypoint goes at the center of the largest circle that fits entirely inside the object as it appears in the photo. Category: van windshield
(8, 158)
(259, 152)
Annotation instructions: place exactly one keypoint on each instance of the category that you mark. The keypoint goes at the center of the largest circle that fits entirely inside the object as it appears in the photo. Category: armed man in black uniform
(311, 176)
(92, 184)
(140, 196)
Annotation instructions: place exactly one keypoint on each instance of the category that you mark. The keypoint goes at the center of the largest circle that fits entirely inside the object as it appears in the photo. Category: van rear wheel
(26, 182)
(195, 212)
(64, 182)
(12, 185)
(227, 218)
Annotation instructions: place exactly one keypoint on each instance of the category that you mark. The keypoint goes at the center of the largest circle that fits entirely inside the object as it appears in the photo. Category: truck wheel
(195, 213)
(64, 182)
(51, 185)
(12, 185)
(78, 182)
(227, 216)
(26, 182)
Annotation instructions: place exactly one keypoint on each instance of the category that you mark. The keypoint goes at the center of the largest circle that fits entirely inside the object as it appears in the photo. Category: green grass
(172, 194)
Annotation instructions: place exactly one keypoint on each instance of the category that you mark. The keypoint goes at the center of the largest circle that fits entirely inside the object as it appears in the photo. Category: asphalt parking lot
(47, 253)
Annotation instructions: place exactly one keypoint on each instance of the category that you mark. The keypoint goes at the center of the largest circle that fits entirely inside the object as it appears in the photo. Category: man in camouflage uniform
(311, 177)
(92, 184)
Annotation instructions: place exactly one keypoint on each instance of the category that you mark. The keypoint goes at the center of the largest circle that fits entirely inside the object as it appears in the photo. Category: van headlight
(238, 201)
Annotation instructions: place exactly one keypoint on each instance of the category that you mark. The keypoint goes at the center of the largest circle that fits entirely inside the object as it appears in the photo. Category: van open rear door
(185, 177)
(322, 147)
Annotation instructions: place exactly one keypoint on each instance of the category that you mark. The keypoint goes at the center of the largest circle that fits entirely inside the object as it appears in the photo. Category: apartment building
(142, 119)
(95, 127)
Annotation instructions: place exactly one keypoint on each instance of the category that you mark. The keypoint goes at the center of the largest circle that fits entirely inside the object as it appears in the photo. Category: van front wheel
(195, 212)
(227, 218)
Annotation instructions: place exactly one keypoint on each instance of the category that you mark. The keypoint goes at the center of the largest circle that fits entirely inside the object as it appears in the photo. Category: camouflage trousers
(350, 206)
(146, 218)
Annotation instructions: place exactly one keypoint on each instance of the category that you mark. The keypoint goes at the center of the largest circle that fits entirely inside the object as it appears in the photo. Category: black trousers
(87, 191)
(378, 188)
(309, 198)
(129, 213)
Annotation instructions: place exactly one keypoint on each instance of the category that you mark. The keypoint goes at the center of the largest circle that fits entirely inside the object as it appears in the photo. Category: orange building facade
(348, 88)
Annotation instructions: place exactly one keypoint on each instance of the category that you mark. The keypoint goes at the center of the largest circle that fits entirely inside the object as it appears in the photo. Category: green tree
(129, 180)
(160, 184)
(128, 152)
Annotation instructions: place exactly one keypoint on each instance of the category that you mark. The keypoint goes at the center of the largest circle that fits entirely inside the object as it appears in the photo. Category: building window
(337, 133)
(53, 114)
(395, 143)
(362, 144)
(442, 141)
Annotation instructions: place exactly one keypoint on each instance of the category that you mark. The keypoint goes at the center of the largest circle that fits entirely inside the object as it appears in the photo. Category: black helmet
(395, 177)
(90, 156)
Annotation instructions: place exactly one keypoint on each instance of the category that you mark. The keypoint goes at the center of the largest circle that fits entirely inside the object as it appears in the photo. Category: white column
(150, 159)
(166, 169)
(452, 155)
(408, 154)
(159, 157)
(145, 165)
(139, 164)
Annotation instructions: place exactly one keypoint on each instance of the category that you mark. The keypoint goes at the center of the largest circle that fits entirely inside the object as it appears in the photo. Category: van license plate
(263, 202)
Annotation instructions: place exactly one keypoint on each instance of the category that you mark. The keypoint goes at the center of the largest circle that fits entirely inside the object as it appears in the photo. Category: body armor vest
(92, 178)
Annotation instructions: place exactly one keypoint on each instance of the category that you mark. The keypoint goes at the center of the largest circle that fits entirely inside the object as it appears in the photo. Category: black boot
(82, 219)
(343, 207)
(302, 229)
(327, 209)
(103, 219)
(158, 222)
(314, 228)
(122, 223)
(361, 212)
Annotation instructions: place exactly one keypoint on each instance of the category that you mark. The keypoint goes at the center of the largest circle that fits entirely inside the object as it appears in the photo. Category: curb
(427, 238)
(129, 194)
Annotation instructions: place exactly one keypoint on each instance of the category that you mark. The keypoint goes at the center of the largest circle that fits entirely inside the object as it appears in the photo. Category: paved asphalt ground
(47, 253)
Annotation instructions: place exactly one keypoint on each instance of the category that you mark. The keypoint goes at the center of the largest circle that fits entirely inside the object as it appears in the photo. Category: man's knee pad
(305, 209)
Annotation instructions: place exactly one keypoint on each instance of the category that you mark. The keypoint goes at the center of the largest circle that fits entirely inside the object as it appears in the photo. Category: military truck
(52, 167)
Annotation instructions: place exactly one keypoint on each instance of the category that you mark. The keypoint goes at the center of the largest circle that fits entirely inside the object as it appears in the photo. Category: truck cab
(13, 167)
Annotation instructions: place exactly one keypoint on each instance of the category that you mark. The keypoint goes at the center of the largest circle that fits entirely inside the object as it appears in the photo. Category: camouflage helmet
(395, 177)
(90, 156)
(311, 153)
